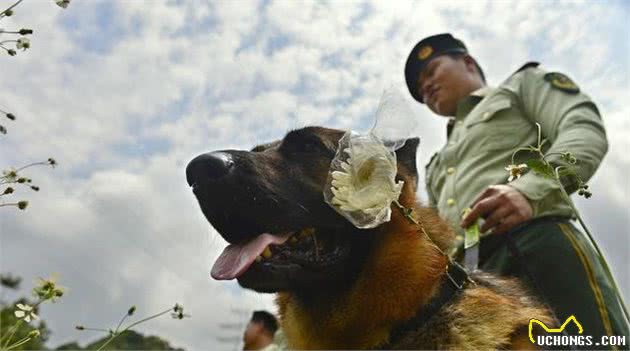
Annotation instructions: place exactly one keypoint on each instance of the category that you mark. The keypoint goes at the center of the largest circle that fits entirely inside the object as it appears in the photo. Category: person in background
(260, 331)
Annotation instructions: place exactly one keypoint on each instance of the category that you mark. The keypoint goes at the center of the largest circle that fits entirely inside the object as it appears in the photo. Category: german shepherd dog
(340, 287)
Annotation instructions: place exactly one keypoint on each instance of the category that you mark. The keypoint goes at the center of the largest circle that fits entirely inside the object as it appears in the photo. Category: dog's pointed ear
(406, 155)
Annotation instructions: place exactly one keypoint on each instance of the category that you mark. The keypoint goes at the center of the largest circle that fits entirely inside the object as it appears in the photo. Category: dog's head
(268, 204)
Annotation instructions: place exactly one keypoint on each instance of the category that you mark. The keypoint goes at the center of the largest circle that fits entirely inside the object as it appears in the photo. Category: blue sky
(124, 93)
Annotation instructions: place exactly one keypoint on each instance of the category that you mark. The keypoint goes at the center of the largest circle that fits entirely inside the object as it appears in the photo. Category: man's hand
(502, 206)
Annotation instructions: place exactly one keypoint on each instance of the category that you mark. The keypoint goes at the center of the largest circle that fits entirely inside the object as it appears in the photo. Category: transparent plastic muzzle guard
(361, 183)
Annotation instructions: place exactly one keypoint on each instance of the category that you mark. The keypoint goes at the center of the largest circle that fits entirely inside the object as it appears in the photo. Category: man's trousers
(559, 265)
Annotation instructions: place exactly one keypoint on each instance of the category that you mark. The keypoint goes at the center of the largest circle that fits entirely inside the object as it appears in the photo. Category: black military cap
(425, 51)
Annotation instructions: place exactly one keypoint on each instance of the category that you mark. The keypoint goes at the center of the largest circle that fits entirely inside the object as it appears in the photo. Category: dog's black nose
(205, 167)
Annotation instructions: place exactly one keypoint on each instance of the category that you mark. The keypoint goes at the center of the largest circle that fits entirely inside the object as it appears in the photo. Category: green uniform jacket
(493, 122)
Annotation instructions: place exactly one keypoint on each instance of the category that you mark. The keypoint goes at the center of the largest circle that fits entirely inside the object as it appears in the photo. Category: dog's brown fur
(402, 273)
(402, 276)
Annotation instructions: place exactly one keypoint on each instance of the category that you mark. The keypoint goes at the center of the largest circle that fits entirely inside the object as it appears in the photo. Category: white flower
(10, 175)
(363, 186)
(178, 312)
(515, 171)
(47, 289)
(23, 43)
(62, 3)
(25, 312)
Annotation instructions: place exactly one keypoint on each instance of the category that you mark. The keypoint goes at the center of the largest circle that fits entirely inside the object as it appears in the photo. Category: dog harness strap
(453, 283)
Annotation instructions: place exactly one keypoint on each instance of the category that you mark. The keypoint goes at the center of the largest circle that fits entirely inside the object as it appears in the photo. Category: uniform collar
(467, 104)
(481, 92)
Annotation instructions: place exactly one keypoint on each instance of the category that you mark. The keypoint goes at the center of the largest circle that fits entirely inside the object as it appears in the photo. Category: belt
(491, 242)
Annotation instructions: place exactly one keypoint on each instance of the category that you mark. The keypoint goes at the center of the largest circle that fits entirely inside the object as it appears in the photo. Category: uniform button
(450, 202)
(458, 123)
(460, 237)
(486, 115)
(450, 170)
(450, 143)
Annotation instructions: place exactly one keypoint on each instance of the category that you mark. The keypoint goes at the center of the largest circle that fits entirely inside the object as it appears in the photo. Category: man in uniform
(527, 230)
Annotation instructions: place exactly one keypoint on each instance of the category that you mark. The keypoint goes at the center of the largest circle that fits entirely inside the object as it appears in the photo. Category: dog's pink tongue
(236, 259)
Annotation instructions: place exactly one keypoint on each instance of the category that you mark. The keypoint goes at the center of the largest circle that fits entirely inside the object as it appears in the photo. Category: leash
(408, 213)
(455, 279)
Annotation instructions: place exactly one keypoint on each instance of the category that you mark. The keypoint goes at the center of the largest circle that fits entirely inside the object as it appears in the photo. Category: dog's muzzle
(208, 167)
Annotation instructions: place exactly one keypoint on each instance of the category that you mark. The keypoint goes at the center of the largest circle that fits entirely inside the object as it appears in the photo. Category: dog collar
(454, 281)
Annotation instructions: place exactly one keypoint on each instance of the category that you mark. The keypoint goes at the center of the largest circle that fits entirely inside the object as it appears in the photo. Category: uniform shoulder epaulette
(557, 80)
(511, 83)
(562, 82)
(526, 66)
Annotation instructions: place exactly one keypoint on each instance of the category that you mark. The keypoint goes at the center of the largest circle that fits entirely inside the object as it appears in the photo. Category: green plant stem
(10, 8)
(148, 318)
(9, 204)
(121, 322)
(43, 163)
(530, 149)
(567, 198)
(96, 329)
(19, 343)
(544, 157)
(109, 340)
(131, 326)
(14, 329)
(7, 180)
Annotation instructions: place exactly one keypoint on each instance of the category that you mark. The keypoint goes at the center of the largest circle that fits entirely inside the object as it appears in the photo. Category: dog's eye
(309, 146)
(304, 147)
(295, 144)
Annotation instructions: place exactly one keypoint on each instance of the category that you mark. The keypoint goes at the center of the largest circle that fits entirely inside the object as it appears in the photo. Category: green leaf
(472, 235)
(569, 179)
(540, 167)
(567, 172)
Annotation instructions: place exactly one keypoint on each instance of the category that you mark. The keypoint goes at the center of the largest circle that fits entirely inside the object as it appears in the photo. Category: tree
(129, 340)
